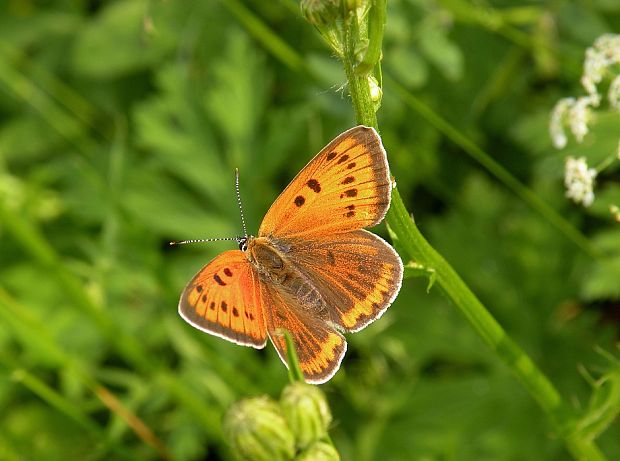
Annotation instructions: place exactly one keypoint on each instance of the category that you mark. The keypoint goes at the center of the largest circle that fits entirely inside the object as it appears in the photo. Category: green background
(121, 124)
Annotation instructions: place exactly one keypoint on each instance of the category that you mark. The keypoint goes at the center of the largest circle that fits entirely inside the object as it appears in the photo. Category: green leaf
(442, 52)
(116, 42)
(173, 127)
(408, 66)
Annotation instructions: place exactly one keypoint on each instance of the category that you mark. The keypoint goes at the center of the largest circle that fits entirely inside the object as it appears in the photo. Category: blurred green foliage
(121, 124)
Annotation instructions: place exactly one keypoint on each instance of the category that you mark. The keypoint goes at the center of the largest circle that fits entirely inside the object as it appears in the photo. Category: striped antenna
(183, 242)
(245, 232)
(240, 240)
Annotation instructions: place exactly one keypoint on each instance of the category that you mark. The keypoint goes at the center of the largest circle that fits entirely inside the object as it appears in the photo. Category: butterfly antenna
(183, 242)
(245, 232)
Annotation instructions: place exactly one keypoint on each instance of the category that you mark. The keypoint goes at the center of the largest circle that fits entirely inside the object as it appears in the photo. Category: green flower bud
(319, 451)
(257, 431)
(306, 411)
(320, 12)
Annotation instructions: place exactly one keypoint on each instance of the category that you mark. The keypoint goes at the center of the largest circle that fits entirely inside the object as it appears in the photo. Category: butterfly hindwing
(320, 348)
(224, 299)
(344, 187)
(357, 274)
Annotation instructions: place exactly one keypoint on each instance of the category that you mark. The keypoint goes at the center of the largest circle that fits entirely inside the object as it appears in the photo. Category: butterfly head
(244, 242)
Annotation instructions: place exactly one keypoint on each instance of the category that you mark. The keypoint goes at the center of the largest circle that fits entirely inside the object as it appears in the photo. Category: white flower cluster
(579, 180)
(599, 58)
(602, 60)
(572, 112)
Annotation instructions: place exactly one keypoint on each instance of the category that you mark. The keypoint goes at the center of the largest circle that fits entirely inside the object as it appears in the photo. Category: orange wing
(357, 273)
(345, 187)
(224, 299)
(320, 348)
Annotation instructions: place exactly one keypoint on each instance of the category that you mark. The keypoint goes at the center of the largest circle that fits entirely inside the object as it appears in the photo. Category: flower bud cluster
(293, 429)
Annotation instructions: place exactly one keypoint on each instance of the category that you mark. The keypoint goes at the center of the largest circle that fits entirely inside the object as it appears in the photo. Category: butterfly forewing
(320, 348)
(224, 299)
(345, 187)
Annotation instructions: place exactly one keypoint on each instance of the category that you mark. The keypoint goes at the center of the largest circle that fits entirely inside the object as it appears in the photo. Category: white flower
(579, 180)
(579, 115)
(575, 113)
(599, 57)
(556, 123)
(593, 68)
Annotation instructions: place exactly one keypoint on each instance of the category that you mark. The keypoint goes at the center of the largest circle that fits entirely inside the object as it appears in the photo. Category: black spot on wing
(219, 280)
(342, 159)
(349, 193)
(314, 185)
(299, 200)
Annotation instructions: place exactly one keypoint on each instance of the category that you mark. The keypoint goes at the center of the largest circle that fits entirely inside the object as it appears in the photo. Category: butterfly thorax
(269, 258)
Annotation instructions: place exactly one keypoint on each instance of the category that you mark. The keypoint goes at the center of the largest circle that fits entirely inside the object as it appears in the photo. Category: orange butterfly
(312, 270)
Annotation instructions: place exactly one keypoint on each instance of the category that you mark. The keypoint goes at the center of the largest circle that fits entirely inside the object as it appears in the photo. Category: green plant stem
(294, 370)
(272, 41)
(359, 89)
(420, 251)
(483, 322)
(376, 24)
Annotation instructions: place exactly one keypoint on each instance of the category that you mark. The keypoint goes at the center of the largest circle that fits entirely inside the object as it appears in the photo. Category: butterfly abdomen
(303, 291)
